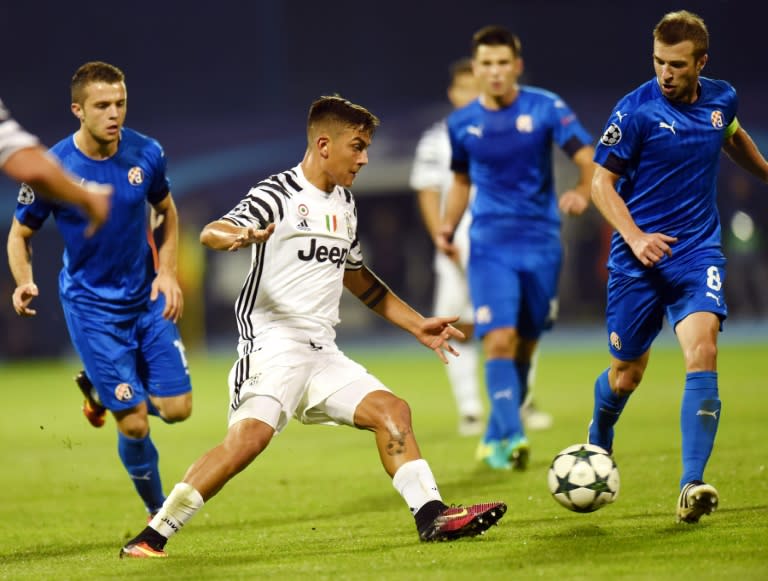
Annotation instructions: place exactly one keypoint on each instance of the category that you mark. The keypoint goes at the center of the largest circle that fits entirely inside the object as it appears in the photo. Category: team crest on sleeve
(135, 176)
(615, 340)
(26, 195)
(717, 119)
(612, 135)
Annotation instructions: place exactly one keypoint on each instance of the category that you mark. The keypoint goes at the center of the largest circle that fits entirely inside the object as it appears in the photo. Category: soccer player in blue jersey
(120, 309)
(502, 143)
(658, 160)
(24, 160)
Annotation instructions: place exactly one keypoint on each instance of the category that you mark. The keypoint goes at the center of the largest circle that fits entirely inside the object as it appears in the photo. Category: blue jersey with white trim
(113, 270)
(668, 155)
(507, 154)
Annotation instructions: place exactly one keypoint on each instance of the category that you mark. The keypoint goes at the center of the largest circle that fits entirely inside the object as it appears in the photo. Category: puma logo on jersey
(335, 255)
(621, 115)
(668, 126)
(712, 413)
(475, 130)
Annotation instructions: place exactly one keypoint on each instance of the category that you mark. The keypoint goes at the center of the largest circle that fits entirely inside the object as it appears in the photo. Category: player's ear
(701, 63)
(323, 145)
(520, 66)
(77, 110)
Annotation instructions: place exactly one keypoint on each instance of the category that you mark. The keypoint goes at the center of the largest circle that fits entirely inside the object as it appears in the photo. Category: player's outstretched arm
(38, 169)
(434, 332)
(224, 235)
(20, 260)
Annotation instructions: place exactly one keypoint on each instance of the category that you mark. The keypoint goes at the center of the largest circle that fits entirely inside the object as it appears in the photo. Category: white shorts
(315, 383)
(451, 286)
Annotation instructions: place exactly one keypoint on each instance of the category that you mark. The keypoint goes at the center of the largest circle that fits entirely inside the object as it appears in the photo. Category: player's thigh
(634, 314)
(108, 350)
(451, 290)
(495, 291)
(162, 362)
(539, 290)
(336, 392)
(270, 383)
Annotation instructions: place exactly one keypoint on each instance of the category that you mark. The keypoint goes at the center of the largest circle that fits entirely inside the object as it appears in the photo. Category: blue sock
(140, 459)
(608, 408)
(523, 369)
(699, 417)
(501, 381)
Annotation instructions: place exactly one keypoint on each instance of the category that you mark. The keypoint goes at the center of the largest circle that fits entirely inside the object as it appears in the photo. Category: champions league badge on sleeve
(26, 195)
(612, 135)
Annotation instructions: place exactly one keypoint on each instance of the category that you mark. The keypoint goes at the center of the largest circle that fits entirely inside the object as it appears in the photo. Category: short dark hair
(676, 27)
(462, 66)
(494, 35)
(93, 72)
(337, 109)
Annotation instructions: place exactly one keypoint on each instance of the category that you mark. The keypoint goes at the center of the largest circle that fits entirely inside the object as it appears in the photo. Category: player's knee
(175, 409)
(246, 440)
(627, 379)
(133, 424)
(501, 344)
(383, 410)
(701, 356)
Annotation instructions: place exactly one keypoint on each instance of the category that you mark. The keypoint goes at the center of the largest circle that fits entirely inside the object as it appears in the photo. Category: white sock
(462, 373)
(180, 506)
(415, 483)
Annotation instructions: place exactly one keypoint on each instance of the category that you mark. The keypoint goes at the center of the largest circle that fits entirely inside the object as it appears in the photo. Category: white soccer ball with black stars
(583, 478)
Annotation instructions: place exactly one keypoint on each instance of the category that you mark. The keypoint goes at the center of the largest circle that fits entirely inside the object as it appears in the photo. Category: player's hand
(573, 203)
(167, 284)
(97, 206)
(651, 248)
(250, 236)
(444, 242)
(436, 333)
(22, 296)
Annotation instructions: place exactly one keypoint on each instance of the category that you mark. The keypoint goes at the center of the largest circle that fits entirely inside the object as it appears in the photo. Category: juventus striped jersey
(294, 286)
(12, 136)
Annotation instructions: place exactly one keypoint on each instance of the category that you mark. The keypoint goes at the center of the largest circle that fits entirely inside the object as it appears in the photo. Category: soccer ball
(583, 477)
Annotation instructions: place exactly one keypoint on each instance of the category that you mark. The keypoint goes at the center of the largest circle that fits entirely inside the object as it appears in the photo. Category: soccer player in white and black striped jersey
(301, 226)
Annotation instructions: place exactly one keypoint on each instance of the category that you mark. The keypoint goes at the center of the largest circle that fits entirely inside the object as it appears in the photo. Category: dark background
(225, 87)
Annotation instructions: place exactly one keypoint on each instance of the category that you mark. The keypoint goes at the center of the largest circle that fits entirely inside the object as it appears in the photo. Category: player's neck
(496, 102)
(89, 147)
(315, 175)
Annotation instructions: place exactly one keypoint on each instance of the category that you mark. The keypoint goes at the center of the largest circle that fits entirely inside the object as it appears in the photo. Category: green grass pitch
(318, 505)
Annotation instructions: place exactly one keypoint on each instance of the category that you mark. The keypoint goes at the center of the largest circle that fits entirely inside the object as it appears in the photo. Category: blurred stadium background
(225, 88)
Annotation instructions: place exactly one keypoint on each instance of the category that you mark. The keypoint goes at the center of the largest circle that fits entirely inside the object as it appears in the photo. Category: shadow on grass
(45, 552)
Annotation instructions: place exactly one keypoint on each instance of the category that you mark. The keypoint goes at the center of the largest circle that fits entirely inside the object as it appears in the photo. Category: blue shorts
(636, 306)
(130, 357)
(508, 290)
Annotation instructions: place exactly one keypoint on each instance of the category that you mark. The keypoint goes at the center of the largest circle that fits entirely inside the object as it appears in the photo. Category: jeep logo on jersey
(321, 253)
